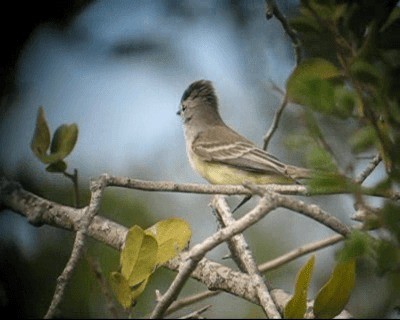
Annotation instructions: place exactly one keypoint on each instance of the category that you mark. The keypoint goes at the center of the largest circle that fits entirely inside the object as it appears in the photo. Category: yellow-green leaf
(297, 305)
(138, 289)
(121, 289)
(59, 166)
(41, 137)
(334, 295)
(172, 236)
(363, 139)
(316, 68)
(139, 256)
(64, 140)
(310, 84)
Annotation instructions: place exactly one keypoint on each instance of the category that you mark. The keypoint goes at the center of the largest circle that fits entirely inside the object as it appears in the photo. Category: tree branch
(271, 9)
(240, 250)
(368, 169)
(96, 188)
(298, 252)
(195, 254)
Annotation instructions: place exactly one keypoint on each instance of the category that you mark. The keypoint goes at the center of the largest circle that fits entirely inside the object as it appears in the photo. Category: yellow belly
(216, 173)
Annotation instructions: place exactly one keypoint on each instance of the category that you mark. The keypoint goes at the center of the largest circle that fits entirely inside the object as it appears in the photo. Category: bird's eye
(183, 107)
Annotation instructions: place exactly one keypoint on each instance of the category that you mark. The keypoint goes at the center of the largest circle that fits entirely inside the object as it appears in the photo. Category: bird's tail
(298, 172)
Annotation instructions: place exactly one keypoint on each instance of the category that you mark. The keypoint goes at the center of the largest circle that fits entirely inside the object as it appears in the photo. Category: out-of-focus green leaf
(315, 68)
(345, 101)
(363, 139)
(329, 183)
(387, 257)
(64, 140)
(334, 295)
(304, 23)
(311, 84)
(366, 72)
(391, 218)
(357, 244)
(393, 17)
(139, 256)
(297, 305)
(41, 137)
(59, 166)
(172, 236)
(320, 159)
(323, 9)
(121, 289)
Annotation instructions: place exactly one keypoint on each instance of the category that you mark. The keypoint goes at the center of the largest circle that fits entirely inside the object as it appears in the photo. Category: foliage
(62, 143)
(351, 73)
(143, 252)
(331, 298)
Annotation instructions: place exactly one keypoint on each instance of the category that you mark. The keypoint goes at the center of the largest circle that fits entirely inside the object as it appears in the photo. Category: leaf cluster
(331, 298)
(143, 252)
(53, 151)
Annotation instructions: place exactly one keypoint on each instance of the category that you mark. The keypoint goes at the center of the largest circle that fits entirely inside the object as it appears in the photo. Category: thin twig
(275, 122)
(104, 287)
(310, 210)
(167, 186)
(184, 302)
(74, 178)
(368, 169)
(271, 9)
(96, 188)
(298, 252)
(197, 313)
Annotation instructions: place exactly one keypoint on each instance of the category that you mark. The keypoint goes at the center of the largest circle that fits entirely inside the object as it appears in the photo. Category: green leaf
(363, 139)
(393, 17)
(311, 84)
(387, 257)
(121, 289)
(315, 68)
(139, 256)
(366, 73)
(391, 218)
(172, 236)
(329, 183)
(138, 289)
(41, 137)
(334, 295)
(345, 101)
(356, 245)
(320, 159)
(297, 305)
(59, 166)
(64, 140)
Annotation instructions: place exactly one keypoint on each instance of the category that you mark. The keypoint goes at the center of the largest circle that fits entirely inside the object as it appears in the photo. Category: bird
(220, 154)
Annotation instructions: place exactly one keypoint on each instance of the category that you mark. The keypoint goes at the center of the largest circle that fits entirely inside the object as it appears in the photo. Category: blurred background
(118, 70)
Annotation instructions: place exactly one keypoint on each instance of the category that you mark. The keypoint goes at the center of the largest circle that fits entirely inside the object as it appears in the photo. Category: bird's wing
(232, 149)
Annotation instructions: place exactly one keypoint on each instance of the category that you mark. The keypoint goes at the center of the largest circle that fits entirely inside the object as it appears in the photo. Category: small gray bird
(221, 155)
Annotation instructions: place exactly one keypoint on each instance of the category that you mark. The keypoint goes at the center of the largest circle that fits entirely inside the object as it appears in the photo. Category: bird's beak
(178, 112)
